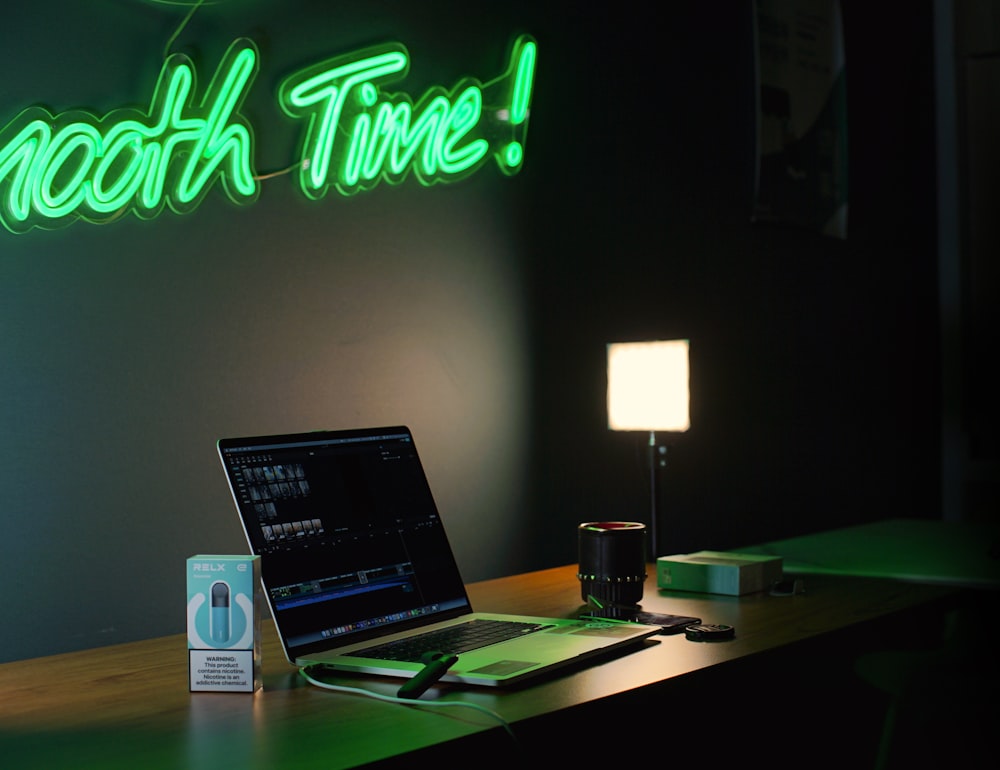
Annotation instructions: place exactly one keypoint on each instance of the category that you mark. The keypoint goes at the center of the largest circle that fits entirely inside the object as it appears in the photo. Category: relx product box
(718, 572)
(223, 623)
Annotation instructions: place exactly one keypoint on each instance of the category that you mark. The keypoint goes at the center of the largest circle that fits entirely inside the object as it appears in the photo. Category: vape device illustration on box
(221, 618)
(220, 621)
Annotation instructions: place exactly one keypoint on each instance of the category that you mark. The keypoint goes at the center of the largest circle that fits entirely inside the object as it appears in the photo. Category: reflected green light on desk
(649, 390)
(912, 550)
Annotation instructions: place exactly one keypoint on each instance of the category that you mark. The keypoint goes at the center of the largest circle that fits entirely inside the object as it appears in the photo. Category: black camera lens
(612, 561)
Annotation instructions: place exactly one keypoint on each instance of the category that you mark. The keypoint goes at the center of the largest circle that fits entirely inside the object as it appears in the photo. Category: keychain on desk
(787, 587)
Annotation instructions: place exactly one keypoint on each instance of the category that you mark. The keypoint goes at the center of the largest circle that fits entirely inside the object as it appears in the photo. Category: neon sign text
(55, 169)
(363, 139)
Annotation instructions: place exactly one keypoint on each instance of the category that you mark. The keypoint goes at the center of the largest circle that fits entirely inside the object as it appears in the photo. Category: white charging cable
(304, 671)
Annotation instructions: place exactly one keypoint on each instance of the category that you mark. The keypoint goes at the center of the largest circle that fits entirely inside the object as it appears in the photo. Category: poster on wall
(801, 98)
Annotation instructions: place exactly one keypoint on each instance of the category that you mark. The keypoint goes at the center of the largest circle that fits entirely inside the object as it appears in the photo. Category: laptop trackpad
(503, 667)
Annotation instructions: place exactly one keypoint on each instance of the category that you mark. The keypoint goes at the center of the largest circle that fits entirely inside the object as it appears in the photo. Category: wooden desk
(129, 706)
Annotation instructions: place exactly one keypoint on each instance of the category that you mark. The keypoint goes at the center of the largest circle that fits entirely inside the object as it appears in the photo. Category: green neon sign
(358, 136)
(56, 169)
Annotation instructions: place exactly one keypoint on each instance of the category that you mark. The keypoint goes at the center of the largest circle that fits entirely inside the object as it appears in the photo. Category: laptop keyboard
(455, 640)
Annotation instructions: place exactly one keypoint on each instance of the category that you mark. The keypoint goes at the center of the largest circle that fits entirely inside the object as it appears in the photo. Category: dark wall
(814, 360)
(477, 313)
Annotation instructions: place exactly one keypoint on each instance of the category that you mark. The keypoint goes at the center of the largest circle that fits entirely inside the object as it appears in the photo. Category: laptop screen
(349, 536)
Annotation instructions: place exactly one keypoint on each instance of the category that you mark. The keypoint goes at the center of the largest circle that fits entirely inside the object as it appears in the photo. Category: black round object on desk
(612, 556)
(709, 632)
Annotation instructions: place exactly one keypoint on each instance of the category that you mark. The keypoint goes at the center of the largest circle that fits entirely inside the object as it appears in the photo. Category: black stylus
(428, 675)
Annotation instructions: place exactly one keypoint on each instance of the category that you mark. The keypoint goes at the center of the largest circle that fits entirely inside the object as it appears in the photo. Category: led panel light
(648, 386)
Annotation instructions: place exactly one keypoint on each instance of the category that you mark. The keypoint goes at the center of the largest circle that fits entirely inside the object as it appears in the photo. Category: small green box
(223, 623)
(718, 572)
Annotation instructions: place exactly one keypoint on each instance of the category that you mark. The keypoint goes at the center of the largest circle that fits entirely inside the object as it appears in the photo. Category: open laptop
(354, 559)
